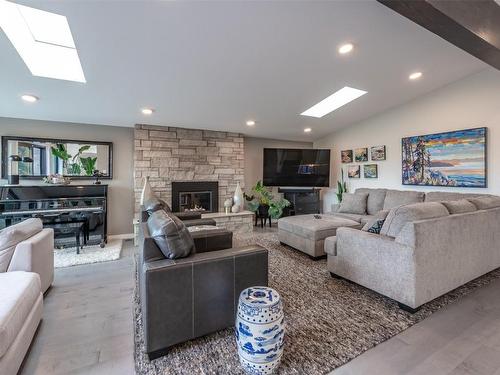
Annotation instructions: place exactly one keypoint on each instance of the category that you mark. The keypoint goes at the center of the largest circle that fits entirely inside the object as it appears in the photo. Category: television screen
(296, 167)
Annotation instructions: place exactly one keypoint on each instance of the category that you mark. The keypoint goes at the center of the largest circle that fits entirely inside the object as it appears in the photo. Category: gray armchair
(190, 297)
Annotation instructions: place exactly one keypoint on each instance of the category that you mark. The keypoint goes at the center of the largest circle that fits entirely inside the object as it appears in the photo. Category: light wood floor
(87, 329)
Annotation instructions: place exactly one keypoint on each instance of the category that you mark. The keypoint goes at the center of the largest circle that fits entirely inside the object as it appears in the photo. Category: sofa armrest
(197, 222)
(36, 254)
(212, 240)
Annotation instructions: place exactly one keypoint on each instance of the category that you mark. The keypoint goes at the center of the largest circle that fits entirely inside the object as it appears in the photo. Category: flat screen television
(296, 167)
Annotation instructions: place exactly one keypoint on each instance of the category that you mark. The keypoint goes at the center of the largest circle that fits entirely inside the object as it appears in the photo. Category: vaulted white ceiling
(214, 65)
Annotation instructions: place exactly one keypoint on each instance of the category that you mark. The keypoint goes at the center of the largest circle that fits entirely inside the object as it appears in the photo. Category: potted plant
(61, 152)
(341, 187)
(88, 165)
(264, 203)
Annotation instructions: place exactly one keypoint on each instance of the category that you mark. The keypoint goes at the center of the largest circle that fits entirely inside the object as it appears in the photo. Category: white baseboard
(124, 236)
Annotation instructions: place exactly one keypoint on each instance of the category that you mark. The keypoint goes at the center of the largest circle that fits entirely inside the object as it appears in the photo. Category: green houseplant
(341, 187)
(265, 203)
(61, 152)
(88, 165)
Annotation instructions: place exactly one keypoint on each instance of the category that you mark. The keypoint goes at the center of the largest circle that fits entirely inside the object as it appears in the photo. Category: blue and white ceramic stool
(260, 330)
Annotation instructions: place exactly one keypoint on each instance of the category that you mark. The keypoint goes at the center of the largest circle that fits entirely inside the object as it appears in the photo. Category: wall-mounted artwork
(378, 153)
(361, 154)
(370, 171)
(354, 171)
(456, 158)
(346, 156)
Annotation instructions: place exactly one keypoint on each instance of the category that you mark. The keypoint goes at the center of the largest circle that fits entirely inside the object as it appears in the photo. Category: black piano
(77, 213)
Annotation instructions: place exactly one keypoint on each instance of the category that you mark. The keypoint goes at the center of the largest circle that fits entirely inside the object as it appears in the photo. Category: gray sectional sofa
(429, 244)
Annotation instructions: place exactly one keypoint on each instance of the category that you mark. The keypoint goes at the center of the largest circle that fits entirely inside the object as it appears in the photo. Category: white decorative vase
(235, 209)
(238, 197)
(147, 191)
(260, 330)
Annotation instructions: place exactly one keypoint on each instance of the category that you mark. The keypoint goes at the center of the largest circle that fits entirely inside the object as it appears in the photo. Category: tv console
(303, 201)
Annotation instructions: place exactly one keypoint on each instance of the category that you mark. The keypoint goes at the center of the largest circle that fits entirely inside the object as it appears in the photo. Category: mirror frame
(5, 157)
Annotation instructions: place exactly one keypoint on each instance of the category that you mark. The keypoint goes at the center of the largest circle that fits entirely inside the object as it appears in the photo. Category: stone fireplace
(195, 196)
(169, 155)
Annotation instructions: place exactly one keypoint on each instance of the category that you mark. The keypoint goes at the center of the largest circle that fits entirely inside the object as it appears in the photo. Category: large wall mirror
(35, 158)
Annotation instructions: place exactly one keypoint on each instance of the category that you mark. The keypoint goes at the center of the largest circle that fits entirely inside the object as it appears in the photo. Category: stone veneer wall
(167, 154)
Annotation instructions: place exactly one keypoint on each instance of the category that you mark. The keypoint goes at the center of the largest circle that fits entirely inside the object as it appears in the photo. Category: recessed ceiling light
(147, 111)
(250, 123)
(333, 102)
(43, 40)
(307, 130)
(345, 48)
(415, 75)
(29, 98)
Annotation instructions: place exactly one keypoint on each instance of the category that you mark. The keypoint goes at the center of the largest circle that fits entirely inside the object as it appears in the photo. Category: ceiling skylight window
(43, 40)
(333, 102)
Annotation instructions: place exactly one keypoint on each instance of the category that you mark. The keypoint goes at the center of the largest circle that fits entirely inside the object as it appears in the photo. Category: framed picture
(456, 158)
(378, 153)
(370, 171)
(361, 154)
(346, 156)
(354, 171)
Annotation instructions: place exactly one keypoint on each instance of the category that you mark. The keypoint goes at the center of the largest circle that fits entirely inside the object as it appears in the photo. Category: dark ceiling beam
(472, 25)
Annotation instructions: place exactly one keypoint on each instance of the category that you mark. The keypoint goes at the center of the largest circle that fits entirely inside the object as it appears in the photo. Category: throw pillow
(353, 204)
(484, 203)
(459, 206)
(170, 235)
(379, 217)
(154, 204)
(376, 227)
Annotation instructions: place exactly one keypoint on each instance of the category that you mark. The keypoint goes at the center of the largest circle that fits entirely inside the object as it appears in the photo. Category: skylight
(43, 40)
(333, 102)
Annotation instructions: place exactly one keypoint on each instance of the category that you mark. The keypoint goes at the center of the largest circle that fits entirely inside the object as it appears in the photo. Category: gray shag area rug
(328, 321)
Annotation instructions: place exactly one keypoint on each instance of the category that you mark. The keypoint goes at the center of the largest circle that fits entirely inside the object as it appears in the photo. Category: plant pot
(263, 210)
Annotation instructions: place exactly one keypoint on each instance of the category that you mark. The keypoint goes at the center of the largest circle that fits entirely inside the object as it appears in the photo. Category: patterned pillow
(376, 227)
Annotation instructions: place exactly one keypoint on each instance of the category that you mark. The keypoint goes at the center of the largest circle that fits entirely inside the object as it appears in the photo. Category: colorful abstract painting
(346, 156)
(354, 171)
(370, 170)
(361, 154)
(378, 153)
(456, 158)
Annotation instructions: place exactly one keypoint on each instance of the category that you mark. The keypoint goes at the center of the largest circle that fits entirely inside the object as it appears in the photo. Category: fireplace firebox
(195, 196)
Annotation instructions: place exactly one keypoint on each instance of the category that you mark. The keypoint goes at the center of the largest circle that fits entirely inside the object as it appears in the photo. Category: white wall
(469, 103)
(254, 156)
(120, 205)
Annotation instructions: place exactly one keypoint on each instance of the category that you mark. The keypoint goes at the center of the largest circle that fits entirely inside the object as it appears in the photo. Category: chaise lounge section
(424, 250)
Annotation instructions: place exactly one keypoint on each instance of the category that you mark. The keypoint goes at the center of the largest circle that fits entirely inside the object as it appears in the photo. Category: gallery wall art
(354, 171)
(378, 153)
(361, 154)
(370, 171)
(346, 156)
(456, 158)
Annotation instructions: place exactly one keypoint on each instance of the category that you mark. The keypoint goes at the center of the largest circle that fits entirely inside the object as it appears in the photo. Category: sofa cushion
(484, 203)
(380, 216)
(401, 215)
(170, 235)
(395, 198)
(18, 293)
(460, 206)
(154, 204)
(353, 203)
(439, 196)
(11, 236)
(363, 219)
(376, 198)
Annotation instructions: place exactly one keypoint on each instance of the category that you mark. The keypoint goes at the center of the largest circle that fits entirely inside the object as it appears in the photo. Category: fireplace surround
(195, 195)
